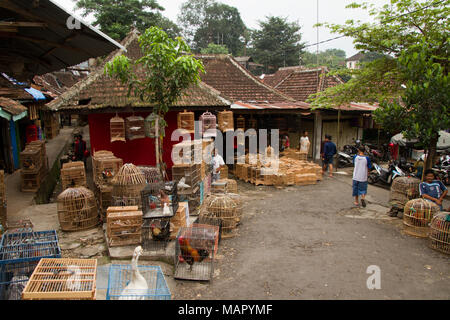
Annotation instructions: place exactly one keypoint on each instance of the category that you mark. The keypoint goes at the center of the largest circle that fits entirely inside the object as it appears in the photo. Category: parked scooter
(384, 175)
(344, 160)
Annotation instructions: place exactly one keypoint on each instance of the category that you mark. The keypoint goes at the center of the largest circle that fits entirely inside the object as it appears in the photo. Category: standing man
(80, 149)
(362, 165)
(217, 164)
(329, 150)
(304, 142)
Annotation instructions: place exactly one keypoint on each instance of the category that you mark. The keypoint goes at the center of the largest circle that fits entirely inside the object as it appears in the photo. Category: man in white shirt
(304, 142)
(217, 164)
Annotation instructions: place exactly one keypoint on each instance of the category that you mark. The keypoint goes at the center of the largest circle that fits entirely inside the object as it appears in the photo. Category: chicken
(190, 254)
(160, 229)
(137, 287)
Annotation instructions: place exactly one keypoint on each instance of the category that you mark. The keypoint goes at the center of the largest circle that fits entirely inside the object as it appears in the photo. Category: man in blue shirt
(432, 189)
(329, 150)
(362, 165)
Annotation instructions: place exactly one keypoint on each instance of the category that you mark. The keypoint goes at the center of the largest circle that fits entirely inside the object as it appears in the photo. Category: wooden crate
(73, 174)
(179, 220)
(51, 131)
(31, 182)
(123, 227)
(62, 279)
(31, 160)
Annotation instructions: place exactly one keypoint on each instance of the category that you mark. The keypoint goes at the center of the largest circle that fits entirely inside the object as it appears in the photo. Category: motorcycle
(344, 160)
(384, 175)
(442, 169)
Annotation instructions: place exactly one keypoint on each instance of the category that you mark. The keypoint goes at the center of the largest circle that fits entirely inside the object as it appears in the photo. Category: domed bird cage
(240, 123)
(239, 206)
(440, 232)
(77, 209)
(209, 122)
(225, 120)
(134, 127)
(403, 189)
(223, 207)
(117, 128)
(127, 186)
(150, 125)
(186, 121)
(417, 216)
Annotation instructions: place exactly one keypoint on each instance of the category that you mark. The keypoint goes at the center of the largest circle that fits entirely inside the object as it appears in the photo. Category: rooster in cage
(189, 254)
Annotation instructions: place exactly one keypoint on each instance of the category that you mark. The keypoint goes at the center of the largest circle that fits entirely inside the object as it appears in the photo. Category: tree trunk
(432, 152)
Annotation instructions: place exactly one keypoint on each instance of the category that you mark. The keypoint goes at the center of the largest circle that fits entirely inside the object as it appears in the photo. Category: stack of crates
(73, 174)
(51, 126)
(19, 255)
(33, 161)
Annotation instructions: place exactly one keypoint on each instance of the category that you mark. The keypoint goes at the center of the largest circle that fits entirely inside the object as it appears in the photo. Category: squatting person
(432, 189)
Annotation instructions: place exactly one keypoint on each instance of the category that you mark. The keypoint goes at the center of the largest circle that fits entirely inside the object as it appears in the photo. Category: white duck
(137, 287)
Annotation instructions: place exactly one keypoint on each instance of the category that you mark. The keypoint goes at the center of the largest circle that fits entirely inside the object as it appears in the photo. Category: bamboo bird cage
(186, 121)
(150, 125)
(403, 189)
(417, 216)
(73, 174)
(239, 206)
(223, 207)
(117, 129)
(77, 209)
(135, 127)
(152, 175)
(123, 226)
(440, 232)
(127, 186)
(209, 122)
(240, 123)
(225, 120)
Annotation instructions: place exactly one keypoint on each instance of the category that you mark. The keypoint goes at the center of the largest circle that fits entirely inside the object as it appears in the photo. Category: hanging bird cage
(127, 186)
(209, 122)
(150, 125)
(135, 127)
(240, 123)
(417, 216)
(440, 232)
(160, 203)
(225, 120)
(223, 207)
(117, 128)
(403, 189)
(194, 253)
(253, 123)
(77, 209)
(186, 121)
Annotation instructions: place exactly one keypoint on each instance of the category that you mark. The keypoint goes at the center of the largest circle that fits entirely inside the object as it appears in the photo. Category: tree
(115, 18)
(277, 43)
(168, 69)
(215, 49)
(397, 29)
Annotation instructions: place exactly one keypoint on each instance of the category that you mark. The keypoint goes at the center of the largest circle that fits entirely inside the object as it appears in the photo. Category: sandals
(363, 202)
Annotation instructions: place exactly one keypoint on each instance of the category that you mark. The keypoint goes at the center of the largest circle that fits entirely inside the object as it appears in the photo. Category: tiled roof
(56, 83)
(99, 91)
(11, 106)
(356, 57)
(236, 83)
(281, 74)
(13, 91)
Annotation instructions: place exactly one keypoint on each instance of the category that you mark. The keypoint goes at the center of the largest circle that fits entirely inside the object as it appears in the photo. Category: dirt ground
(307, 242)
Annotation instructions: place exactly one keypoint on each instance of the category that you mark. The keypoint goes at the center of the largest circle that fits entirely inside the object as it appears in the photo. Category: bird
(137, 287)
(15, 289)
(182, 184)
(190, 254)
(160, 230)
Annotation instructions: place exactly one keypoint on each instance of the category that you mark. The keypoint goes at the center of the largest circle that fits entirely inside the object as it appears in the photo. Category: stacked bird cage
(226, 121)
(127, 186)
(62, 279)
(77, 209)
(34, 166)
(180, 220)
(151, 125)
(188, 177)
(209, 122)
(103, 194)
(3, 214)
(120, 275)
(19, 255)
(134, 127)
(253, 123)
(162, 202)
(194, 253)
(186, 121)
(152, 175)
(403, 189)
(417, 216)
(155, 235)
(123, 226)
(73, 174)
(223, 207)
(51, 125)
(219, 186)
(440, 232)
(117, 128)
(211, 221)
(105, 166)
(240, 123)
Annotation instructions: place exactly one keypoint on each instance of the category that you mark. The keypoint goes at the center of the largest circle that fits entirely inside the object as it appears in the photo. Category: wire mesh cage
(73, 174)
(120, 276)
(135, 127)
(127, 186)
(155, 234)
(186, 121)
(77, 209)
(19, 255)
(417, 216)
(188, 177)
(209, 122)
(123, 226)
(224, 207)
(225, 120)
(194, 253)
(20, 226)
(150, 124)
(161, 202)
(117, 128)
(211, 221)
(62, 279)
(403, 189)
(152, 175)
(439, 238)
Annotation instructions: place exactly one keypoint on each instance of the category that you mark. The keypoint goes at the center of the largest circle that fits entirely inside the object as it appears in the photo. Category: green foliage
(332, 58)
(215, 49)
(116, 18)
(277, 43)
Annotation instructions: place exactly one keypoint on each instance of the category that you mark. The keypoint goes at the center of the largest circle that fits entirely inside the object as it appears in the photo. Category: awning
(265, 106)
(11, 109)
(442, 144)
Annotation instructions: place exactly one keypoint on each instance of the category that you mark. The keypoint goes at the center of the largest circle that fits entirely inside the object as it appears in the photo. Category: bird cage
(123, 226)
(225, 208)
(134, 127)
(209, 122)
(194, 253)
(127, 186)
(211, 221)
(73, 174)
(117, 129)
(31, 160)
(120, 275)
(103, 194)
(240, 123)
(160, 203)
(155, 234)
(150, 125)
(152, 175)
(417, 216)
(225, 120)
(19, 255)
(77, 209)
(62, 279)
(188, 177)
(219, 186)
(253, 123)
(403, 189)
(231, 186)
(186, 121)
(439, 238)
(239, 206)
